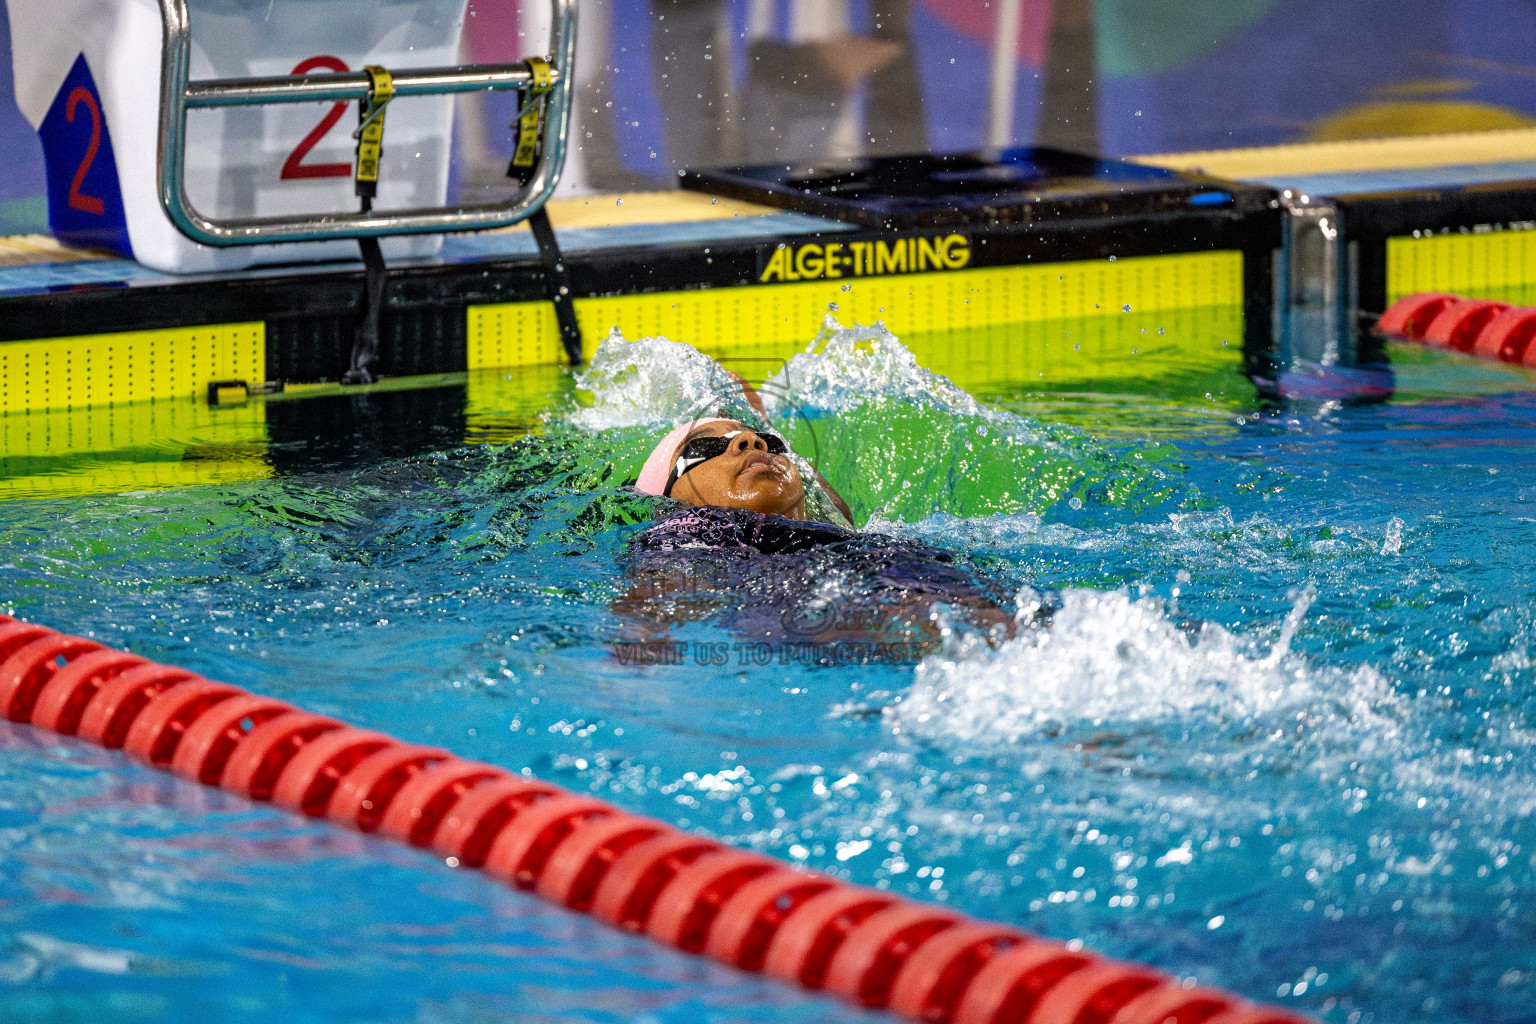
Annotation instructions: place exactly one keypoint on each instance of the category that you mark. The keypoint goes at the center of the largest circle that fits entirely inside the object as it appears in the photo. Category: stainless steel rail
(354, 85)
(178, 95)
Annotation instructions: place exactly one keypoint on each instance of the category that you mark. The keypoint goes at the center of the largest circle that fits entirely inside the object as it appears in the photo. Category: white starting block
(173, 136)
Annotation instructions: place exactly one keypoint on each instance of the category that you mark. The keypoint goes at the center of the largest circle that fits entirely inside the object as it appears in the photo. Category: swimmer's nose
(750, 440)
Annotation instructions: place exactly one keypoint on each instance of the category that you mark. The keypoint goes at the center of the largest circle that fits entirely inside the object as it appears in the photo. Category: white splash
(1109, 660)
(1392, 544)
(652, 381)
(1006, 535)
(844, 367)
(655, 381)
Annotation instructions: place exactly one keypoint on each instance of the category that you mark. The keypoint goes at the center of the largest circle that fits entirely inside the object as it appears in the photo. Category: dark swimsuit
(720, 528)
(797, 580)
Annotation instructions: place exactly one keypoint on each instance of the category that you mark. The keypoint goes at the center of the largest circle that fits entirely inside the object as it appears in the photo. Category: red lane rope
(872, 948)
(1479, 327)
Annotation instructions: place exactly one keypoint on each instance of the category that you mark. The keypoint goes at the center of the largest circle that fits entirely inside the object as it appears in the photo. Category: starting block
(214, 140)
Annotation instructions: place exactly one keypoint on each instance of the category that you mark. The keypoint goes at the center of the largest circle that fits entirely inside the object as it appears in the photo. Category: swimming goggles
(702, 449)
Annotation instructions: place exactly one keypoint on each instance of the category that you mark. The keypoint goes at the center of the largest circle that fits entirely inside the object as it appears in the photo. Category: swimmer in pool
(752, 545)
(724, 463)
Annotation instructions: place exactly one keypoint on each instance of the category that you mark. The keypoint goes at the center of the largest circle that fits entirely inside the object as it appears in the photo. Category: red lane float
(872, 948)
(1507, 337)
(697, 892)
(1411, 316)
(1458, 325)
(1480, 327)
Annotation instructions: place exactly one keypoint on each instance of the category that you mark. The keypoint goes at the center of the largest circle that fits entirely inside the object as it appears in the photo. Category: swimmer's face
(747, 476)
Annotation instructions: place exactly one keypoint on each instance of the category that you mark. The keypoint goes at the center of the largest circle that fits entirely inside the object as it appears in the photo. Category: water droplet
(1111, 259)
(832, 307)
(846, 287)
(1393, 543)
(1126, 307)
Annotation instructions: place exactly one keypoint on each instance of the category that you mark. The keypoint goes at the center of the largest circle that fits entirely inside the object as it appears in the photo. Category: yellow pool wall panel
(1492, 264)
(135, 366)
(511, 334)
(1090, 354)
(778, 316)
(137, 446)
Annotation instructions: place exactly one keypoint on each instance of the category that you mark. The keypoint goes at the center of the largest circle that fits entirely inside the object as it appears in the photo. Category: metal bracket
(1320, 353)
(178, 95)
(558, 283)
(1318, 289)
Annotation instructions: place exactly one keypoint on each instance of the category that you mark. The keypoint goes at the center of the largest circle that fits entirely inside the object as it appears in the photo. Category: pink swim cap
(653, 478)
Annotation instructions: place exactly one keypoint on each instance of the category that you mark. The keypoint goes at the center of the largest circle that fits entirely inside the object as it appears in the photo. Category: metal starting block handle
(178, 95)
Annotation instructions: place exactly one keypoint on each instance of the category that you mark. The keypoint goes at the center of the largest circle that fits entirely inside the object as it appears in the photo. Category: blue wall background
(23, 204)
(1172, 75)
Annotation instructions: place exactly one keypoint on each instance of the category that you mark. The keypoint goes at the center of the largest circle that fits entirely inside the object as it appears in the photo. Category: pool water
(1277, 736)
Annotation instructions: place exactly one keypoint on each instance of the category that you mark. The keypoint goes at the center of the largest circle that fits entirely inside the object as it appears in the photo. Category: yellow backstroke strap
(529, 120)
(370, 132)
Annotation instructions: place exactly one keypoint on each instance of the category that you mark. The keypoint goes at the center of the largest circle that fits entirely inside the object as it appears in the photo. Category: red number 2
(294, 167)
(79, 200)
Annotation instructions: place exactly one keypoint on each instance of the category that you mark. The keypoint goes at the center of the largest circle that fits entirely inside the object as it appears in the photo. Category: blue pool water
(1277, 737)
